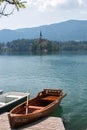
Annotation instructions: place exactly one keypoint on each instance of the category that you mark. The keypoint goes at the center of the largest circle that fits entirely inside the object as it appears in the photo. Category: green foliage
(1, 1)
(42, 46)
(18, 5)
(19, 46)
(1, 47)
(30, 46)
(73, 46)
(4, 4)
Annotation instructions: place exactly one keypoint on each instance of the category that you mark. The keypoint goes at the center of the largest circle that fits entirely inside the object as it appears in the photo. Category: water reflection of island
(58, 112)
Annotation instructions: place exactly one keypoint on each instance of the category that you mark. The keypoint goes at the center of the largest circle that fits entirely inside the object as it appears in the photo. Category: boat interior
(5, 100)
(42, 100)
(9, 97)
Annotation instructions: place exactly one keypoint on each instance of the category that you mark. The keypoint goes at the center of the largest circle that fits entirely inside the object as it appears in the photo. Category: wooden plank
(49, 98)
(49, 123)
(36, 107)
(4, 123)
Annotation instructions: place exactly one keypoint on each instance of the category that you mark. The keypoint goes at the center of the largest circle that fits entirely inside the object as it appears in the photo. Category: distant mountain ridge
(64, 31)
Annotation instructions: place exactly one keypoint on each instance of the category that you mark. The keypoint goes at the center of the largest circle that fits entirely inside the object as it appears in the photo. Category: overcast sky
(43, 12)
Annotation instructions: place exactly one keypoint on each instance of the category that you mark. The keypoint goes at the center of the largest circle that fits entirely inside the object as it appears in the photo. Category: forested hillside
(65, 31)
(41, 46)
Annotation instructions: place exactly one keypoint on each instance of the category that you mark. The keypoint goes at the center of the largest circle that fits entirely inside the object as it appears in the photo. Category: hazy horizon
(45, 24)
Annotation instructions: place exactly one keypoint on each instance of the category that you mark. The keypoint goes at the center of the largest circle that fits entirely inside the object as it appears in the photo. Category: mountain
(64, 31)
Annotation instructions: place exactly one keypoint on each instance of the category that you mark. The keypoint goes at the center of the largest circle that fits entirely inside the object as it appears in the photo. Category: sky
(45, 12)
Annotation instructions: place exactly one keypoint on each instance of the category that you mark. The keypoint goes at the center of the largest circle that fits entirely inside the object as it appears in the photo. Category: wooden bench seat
(49, 98)
(36, 107)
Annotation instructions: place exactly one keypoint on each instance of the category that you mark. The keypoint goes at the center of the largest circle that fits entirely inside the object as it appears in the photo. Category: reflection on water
(58, 112)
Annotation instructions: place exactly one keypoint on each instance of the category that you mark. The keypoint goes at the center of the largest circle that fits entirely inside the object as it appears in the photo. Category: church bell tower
(40, 35)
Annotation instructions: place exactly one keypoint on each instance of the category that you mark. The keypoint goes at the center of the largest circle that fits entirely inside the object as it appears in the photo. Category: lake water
(61, 71)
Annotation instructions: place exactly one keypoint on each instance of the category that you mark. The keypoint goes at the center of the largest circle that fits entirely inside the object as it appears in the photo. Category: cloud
(50, 4)
(80, 2)
(43, 5)
(46, 5)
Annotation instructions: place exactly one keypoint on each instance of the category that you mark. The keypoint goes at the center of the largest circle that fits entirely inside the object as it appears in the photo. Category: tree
(7, 6)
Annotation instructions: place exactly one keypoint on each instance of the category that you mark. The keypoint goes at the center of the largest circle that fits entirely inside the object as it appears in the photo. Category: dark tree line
(1, 47)
(30, 46)
(73, 46)
(19, 46)
(41, 46)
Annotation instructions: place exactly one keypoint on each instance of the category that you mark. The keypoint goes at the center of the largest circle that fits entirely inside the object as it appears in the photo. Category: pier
(49, 123)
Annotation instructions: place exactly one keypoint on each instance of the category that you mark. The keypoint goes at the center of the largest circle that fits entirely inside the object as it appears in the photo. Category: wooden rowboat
(33, 109)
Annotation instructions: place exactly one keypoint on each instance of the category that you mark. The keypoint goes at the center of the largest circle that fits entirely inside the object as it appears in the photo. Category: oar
(27, 104)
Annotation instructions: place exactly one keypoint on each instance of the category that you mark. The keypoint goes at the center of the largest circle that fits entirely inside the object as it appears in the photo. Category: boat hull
(10, 100)
(10, 106)
(22, 120)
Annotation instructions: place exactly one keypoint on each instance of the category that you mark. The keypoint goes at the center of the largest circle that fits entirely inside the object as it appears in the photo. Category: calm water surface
(67, 72)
